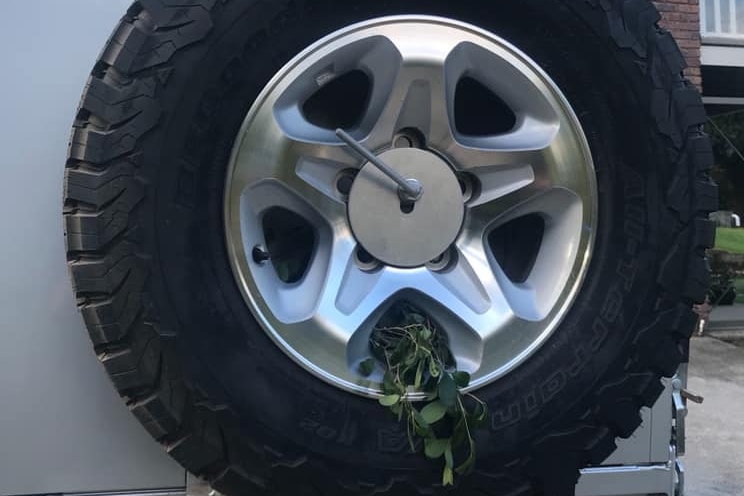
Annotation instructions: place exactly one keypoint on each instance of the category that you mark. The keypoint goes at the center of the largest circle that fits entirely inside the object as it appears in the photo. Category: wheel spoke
(532, 144)
(345, 309)
(417, 97)
(301, 175)
(521, 176)
(468, 304)
(563, 214)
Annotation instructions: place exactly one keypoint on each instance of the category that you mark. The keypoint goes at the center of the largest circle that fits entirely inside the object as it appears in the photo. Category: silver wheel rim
(541, 167)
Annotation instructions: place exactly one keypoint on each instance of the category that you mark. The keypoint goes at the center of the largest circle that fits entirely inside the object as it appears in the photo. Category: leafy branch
(416, 359)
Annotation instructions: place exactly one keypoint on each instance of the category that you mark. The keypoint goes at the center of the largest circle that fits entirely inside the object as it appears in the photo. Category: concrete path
(715, 430)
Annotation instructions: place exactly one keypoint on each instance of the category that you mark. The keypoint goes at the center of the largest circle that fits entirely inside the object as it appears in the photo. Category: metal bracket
(680, 396)
(679, 413)
(680, 471)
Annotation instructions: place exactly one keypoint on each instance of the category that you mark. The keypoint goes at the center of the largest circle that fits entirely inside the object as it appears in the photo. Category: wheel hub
(398, 231)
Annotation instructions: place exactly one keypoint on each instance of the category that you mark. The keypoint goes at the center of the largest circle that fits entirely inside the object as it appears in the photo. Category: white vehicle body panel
(63, 428)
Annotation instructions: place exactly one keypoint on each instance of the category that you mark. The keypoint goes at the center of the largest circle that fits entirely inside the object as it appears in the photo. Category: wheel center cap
(404, 233)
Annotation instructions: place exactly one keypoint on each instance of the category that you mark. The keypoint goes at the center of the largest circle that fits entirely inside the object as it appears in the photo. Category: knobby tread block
(161, 411)
(98, 187)
(109, 320)
(235, 476)
(105, 274)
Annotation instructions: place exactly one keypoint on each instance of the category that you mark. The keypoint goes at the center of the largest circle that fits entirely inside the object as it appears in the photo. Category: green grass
(730, 239)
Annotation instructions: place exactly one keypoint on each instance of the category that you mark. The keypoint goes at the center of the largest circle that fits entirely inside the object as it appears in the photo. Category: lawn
(730, 239)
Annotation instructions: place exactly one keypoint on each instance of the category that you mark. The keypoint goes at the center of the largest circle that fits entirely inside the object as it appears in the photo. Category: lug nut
(344, 182)
(408, 138)
(443, 261)
(468, 186)
(365, 261)
(403, 142)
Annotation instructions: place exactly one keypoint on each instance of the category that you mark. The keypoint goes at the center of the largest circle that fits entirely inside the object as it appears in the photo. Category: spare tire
(230, 256)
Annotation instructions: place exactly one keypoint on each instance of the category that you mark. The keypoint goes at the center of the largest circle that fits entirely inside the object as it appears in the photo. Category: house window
(723, 19)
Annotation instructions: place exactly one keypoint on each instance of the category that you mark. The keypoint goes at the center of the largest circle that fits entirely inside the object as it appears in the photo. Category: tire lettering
(609, 314)
(392, 440)
(612, 306)
(346, 436)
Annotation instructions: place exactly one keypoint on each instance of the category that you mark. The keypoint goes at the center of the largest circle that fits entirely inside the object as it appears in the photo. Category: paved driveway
(715, 430)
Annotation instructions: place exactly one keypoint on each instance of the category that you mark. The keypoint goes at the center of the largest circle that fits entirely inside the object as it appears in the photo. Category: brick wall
(682, 18)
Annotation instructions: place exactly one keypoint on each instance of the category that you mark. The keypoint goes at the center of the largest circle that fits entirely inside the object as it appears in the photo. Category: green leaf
(434, 448)
(401, 351)
(459, 433)
(388, 384)
(480, 413)
(420, 422)
(367, 367)
(415, 355)
(420, 430)
(448, 390)
(389, 399)
(419, 376)
(410, 359)
(467, 464)
(448, 477)
(434, 412)
(448, 458)
(462, 379)
(434, 369)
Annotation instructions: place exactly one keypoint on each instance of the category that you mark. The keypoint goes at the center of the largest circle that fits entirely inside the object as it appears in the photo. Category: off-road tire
(143, 214)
